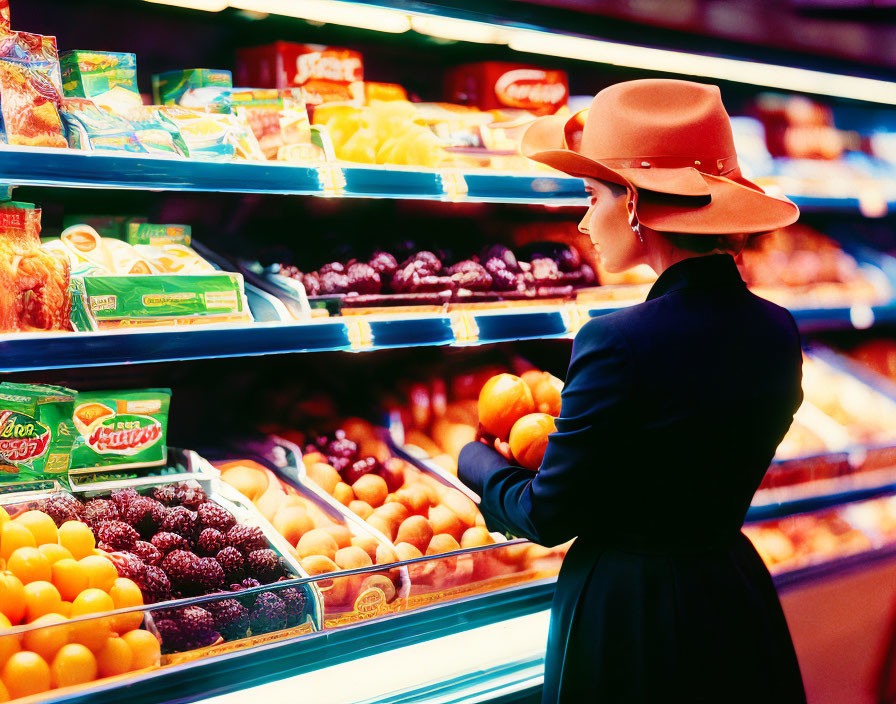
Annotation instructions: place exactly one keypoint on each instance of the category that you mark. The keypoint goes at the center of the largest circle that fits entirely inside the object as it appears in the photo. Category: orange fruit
(14, 536)
(54, 552)
(4, 516)
(41, 598)
(545, 389)
(114, 658)
(529, 439)
(145, 648)
(77, 538)
(125, 593)
(101, 572)
(73, 664)
(29, 565)
(93, 632)
(12, 597)
(9, 644)
(504, 399)
(49, 638)
(66, 609)
(42, 527)
(26, 673)
(70, 578)
(4, 693)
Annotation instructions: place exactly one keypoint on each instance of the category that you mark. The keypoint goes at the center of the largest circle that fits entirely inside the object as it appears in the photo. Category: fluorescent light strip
(379, 19)
(544, 43)
(742, 71)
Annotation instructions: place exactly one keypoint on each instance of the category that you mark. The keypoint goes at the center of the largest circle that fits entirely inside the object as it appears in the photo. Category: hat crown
(658, 118)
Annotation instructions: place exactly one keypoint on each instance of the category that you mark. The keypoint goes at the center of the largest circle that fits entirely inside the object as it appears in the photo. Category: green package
(36, 431)
(149, 233)
(194, 87)
(120, 429)
(169, 299)
(107, 77)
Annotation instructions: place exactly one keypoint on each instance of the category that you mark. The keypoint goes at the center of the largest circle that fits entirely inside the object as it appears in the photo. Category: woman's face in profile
(606, 223)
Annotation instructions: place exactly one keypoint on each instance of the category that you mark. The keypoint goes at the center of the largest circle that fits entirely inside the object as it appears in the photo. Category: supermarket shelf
(286, 661)
(69, 168)
(38, 351)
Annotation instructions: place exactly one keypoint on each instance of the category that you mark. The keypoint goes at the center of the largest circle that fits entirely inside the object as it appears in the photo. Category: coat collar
(697, 272)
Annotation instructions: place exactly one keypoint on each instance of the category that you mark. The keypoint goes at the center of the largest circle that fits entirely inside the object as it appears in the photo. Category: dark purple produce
(363, 278)
(502, 253)
(333, 282)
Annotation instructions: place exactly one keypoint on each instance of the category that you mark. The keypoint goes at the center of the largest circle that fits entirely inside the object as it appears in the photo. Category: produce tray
(461, 573)
(345, 599)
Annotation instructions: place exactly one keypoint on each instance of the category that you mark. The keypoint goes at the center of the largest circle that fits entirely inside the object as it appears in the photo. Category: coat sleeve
(544, 507)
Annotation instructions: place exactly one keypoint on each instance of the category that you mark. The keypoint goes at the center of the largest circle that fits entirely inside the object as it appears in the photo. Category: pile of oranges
(520, 410)
(51, 576)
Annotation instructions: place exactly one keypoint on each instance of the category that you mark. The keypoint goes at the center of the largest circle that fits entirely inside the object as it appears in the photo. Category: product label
(124, 435)
(530, 89)
(12, 219)
(340, 66)
(22, 437)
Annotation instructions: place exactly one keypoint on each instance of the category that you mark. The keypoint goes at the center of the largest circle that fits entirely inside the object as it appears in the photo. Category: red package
(326, 74)
(4, 15)
(496, 84)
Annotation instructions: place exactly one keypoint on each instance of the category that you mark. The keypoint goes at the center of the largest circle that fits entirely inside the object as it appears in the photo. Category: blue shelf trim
(815, 503)
(412, 332)
(521, 326)
(69, 168)
(60, 351)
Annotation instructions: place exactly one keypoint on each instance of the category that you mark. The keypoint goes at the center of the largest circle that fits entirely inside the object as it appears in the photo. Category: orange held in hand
(546, 390)
(504, 399)
(529, 439)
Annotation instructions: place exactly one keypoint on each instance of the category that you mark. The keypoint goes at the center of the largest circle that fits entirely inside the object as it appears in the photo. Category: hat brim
(681, 200)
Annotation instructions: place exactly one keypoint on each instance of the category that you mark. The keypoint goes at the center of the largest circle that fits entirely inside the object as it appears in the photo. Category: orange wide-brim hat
(670, 142)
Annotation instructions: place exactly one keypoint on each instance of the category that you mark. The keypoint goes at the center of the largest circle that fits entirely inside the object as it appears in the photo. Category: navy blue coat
(671, 414)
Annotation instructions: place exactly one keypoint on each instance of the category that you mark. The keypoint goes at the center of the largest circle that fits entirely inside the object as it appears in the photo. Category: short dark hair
(704, 244)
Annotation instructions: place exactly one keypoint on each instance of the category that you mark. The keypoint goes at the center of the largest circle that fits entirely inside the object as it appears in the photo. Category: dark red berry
(62, 508)
(211, 515)
(98, 510)
(246, 538)
(358, 469)
(268, 614)
(166, 542)
(266, 565)
(145, 515)
(209, 574)
(180, 520)
(189, 494)
(231, 618)
(117, 534)
(232, 562)
(164, 494)
(148, 552)
(210, 542)
(154, 584)
(180, 566)
(122, 498)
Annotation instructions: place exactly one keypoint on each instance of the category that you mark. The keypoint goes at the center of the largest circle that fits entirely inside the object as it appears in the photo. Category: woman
(671, 413)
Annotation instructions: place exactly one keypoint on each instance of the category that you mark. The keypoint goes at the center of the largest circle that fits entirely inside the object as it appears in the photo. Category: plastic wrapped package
(31, 90)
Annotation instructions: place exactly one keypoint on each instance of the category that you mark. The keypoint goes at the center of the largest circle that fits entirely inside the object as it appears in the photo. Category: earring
(633, 221)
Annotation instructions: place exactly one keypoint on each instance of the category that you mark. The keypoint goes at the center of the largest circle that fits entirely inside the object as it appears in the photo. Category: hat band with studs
(713, 166)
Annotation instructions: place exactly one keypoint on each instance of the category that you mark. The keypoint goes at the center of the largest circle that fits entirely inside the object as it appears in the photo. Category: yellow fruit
(48, 639)
(144, 647)
(54, 553)
(124, 594)
(293, 522)
(4, 516)
(4, 693)
(41, 526)
(14, 536)
(73, 664)
(248, 481)
(93, 632)
(66, 609)
(26, 673)
(77, 538)
(70, 578)
(29, 565)
(317, 542)
(114, 658)
(101, 572)
(41, 598)
(12, 598)
(9, 644)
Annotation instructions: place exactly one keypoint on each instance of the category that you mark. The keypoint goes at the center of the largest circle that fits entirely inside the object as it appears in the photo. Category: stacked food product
(553, 270)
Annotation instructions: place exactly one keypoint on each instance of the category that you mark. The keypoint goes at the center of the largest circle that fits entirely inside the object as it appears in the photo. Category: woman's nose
(584, 225)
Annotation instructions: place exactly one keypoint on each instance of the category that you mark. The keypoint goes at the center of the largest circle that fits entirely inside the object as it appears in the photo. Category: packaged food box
(136, 129)
(154, 234)
(325, 74)
(4, 15)
(106, 302)
(120, 428)
(496, 84)
(31, 90)
(279, 121)
(108, 78)
(194, 88)
(36, 431)
(206, 136)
